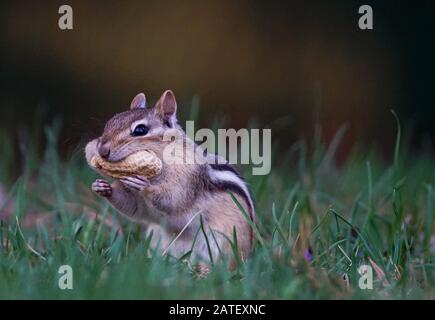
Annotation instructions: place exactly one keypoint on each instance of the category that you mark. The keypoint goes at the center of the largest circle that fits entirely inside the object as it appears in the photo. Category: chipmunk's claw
(137, 183)
(102, 188)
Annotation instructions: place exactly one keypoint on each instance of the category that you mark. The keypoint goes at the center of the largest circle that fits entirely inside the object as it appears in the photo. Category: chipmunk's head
(136, 129)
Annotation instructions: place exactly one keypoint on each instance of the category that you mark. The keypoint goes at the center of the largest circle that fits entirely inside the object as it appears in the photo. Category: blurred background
(287, 65)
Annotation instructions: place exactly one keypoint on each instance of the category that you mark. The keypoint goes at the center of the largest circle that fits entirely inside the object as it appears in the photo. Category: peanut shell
(144, 163)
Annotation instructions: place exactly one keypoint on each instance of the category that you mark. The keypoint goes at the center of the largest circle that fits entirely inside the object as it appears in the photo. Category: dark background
(288, 65)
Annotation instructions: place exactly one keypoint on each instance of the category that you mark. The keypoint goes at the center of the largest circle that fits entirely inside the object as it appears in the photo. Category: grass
(317, 224)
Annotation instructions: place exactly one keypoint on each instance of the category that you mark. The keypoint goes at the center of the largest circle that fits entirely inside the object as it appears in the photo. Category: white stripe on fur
(230, 176)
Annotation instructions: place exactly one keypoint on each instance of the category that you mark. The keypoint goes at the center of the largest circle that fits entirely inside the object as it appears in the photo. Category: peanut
(144, 162)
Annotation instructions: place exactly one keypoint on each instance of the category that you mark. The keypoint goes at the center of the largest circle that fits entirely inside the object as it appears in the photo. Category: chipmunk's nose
(104, 150)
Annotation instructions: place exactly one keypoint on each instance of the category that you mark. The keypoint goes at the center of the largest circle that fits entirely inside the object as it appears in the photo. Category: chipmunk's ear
(139, 101)
(166, 107)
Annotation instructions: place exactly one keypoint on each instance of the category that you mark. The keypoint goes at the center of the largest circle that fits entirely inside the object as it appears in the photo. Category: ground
(318, 222)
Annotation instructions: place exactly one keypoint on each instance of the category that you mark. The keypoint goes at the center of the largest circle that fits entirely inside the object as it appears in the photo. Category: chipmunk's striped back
(225, 177)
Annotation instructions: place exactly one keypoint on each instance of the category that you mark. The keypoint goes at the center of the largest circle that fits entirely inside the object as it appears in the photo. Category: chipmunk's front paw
(137, 183)
(102, 188)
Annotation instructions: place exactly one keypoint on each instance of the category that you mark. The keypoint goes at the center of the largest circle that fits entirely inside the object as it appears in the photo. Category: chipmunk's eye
(140, 130)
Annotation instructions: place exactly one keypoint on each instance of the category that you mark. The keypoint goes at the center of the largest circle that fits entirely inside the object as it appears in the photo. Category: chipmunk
(172, 203)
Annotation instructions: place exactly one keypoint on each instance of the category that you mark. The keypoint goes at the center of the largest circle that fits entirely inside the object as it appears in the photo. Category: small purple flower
(308, 254)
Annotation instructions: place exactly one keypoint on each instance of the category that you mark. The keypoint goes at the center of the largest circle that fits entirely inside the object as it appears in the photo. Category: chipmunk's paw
(102, 188)
(137, 183)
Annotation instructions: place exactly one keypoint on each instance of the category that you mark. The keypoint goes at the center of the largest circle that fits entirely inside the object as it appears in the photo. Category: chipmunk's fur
(172, 203)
